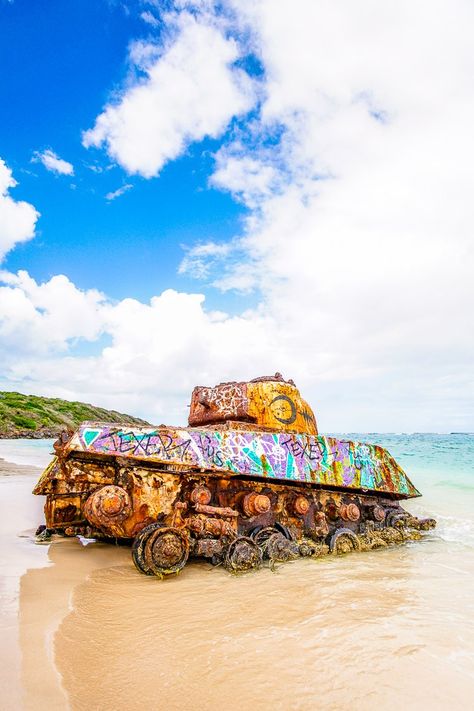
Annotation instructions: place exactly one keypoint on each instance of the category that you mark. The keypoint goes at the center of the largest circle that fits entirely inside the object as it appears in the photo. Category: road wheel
(242, 555)
(138, 548)
(166, 551)
(344, 541)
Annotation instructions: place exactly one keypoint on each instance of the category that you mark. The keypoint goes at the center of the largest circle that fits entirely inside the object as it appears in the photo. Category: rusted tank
(250, 480)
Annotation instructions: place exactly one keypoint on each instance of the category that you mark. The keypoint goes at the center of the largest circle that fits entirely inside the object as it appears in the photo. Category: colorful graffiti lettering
(307, 458)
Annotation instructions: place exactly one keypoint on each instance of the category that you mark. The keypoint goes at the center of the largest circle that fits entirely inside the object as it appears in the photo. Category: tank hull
(250, 480)
(233, 449)
(174, 500)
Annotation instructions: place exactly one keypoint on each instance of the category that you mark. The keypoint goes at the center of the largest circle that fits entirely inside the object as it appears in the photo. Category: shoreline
(31, 434)
(8, 468)
(25, 453)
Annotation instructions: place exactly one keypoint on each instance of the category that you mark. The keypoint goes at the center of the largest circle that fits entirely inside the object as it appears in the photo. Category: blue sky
(199, 191)
(59, 69)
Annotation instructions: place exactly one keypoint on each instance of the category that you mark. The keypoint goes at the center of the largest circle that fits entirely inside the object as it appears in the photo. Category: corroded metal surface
(270, 402)
(231, 492)
(109, 504)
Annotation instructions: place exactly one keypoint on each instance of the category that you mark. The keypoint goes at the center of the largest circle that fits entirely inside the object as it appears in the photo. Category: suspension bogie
(240, 523)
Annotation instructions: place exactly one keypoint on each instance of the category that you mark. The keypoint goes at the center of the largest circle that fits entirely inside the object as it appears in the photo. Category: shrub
(24, 422)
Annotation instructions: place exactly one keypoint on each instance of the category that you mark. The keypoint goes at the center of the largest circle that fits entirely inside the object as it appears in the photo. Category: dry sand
(82, 630)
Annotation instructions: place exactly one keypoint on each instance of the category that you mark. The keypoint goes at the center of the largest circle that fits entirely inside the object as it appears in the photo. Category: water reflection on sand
(344, 633)
(389, 629)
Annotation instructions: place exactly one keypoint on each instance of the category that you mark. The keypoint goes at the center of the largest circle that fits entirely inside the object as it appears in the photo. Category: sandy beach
(81, 629)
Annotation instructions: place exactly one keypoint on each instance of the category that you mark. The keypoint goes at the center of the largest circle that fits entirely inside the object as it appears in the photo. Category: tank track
(238, 523)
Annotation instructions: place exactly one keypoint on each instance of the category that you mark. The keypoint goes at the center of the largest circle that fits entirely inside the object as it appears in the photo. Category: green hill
(40, 417)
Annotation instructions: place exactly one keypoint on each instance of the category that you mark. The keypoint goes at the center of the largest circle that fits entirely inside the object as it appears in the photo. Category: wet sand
(81, 629)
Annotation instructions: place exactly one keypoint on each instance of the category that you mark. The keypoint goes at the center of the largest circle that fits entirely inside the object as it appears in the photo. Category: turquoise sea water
(36, 452)
(442, 468)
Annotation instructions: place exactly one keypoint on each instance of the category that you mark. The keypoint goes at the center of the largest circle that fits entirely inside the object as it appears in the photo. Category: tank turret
(249, 480)
(269, 402)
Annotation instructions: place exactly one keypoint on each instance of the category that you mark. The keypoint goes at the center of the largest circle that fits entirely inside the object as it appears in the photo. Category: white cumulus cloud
(149, 18)
(48, 316)
(53, 162)
(198, 260)
(190, 91)
(120, 191)
(359, 235)
(17, 218)
(154, 354)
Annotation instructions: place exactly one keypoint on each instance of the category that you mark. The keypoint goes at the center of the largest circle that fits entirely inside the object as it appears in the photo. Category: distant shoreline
(10, 468)
(36, 417)
(28, 434)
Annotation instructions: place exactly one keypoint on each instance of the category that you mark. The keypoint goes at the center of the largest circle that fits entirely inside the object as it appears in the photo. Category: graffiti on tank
(313, 451)
(307, 416)
(370, 476)
(291, 411)
(149, 444)
(292, 414)
(209, 451)
(308, 458)
(229, 400)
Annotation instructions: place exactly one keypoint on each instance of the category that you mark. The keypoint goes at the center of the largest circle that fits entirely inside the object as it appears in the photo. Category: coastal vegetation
(41, 417)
